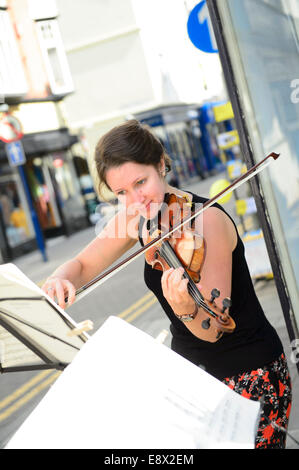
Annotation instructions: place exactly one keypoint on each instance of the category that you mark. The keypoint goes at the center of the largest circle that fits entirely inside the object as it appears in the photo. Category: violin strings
(172, 260)
(170, 257)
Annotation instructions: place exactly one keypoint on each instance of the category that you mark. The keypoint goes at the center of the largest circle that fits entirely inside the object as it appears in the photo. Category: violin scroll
(224, 322)
(214, 294)
(227, 303)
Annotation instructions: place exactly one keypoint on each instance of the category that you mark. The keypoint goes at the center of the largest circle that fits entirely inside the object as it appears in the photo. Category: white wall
(195, 75)
(83, 21)
(127, 56)
(106, 58)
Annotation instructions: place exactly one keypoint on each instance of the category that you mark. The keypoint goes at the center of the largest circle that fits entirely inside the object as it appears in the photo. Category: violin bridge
(188, 199)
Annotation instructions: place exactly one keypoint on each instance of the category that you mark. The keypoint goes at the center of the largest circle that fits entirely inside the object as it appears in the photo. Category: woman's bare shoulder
(217, 224)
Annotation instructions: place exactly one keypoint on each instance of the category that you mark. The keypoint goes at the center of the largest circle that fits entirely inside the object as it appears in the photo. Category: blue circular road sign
(200, 28)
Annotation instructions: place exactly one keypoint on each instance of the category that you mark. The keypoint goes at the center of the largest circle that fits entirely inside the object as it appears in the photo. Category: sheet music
(222, 427)
(40, 313)
(13, 352)
(125, 390)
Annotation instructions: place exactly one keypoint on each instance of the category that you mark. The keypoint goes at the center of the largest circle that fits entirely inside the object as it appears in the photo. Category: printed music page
(34, 317)
(124, 390)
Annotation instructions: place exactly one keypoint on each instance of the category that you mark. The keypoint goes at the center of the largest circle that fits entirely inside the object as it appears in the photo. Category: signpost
(10, 128)
(200, 29)
(15, 153)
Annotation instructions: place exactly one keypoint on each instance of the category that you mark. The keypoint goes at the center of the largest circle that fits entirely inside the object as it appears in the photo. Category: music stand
(35, 333)
(125, 390)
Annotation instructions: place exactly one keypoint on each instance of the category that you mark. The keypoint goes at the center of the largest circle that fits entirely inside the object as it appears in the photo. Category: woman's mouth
(151, 209)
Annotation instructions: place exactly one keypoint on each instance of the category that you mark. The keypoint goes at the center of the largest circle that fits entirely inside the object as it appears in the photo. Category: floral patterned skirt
(272, 386)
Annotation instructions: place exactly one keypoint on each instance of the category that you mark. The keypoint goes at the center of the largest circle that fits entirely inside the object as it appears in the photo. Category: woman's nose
(137, 197)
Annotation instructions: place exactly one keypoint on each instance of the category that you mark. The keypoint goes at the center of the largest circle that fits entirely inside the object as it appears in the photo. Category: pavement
(63, 248)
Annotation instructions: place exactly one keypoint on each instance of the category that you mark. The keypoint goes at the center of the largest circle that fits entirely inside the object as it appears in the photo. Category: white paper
(124, 390)
(256, 254)
(46, 315)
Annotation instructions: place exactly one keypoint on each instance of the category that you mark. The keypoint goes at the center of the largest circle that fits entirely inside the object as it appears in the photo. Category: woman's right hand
(60, 288)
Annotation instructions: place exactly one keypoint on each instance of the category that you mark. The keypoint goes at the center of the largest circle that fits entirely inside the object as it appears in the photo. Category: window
(12, 78)
(15, 211)
(55, 57)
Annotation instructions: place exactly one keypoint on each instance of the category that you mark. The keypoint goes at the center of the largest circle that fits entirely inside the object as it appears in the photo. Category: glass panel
(67, 185)
(56, 67)
(43, 196)
(54, 56)
(267, 38)
(16, 214)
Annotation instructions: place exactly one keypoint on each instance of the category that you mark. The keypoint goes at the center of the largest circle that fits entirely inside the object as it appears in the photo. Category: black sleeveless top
(253, 344)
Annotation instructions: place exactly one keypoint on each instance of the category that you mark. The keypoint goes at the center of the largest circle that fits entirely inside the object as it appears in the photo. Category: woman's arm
(105, 249)
(220, 239)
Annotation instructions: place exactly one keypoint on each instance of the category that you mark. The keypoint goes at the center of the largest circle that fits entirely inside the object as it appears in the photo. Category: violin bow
(98, 280)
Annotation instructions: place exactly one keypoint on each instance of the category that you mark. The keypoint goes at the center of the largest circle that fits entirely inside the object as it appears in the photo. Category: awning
(44, 142)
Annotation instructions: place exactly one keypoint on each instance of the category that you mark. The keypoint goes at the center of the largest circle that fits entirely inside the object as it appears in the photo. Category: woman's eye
(141, 181)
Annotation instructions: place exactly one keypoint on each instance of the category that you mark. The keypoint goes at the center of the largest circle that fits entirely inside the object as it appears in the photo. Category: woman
(132, 163)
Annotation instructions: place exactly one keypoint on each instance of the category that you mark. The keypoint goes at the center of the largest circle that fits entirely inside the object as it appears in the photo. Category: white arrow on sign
(15, 153)
(203, 15)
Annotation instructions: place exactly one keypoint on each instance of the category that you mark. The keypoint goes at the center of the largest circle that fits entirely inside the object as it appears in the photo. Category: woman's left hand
(175, 290)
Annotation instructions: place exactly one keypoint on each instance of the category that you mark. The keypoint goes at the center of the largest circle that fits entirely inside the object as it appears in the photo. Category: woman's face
(139, 187)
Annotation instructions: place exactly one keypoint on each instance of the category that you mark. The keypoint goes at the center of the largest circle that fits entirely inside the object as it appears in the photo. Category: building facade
(128, 57)
(41, 196)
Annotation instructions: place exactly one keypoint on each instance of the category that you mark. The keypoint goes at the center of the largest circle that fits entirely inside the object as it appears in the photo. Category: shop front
(53, 182)
(178, 129)
(219, 137)
(53, 194)
(17, 234)
(200, 139)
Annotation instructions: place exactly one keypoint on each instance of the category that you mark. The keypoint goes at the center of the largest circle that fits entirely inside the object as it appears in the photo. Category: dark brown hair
(128, 142)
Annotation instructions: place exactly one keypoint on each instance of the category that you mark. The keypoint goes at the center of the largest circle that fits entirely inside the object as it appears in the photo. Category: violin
(213, 311)
(185, 249)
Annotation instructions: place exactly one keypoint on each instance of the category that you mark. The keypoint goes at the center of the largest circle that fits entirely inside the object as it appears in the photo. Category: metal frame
(48, 363)
(246, 147)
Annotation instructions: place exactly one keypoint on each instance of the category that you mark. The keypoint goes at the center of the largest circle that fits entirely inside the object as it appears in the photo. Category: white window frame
(12, 76)
(54, 41)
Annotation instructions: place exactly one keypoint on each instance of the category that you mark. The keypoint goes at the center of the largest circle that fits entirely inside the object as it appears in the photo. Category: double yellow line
(138, 307)
(44, 379)
(25, 397)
